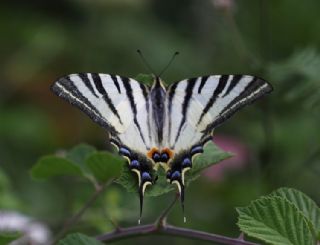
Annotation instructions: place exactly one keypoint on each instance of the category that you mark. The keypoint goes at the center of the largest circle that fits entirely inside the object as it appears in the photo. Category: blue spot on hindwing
(135, 164)
(145, 176)
(186, 162)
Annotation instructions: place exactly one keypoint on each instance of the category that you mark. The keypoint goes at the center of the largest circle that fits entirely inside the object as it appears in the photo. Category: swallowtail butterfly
(159, 125)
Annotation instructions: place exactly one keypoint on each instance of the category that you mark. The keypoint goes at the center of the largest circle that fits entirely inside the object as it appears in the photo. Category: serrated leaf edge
(238, 209)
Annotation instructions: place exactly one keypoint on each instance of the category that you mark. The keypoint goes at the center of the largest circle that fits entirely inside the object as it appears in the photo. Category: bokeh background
(276, 141)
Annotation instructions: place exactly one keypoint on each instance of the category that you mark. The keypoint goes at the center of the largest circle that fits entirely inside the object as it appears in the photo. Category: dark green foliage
(79, 239)
(5, 239)
(145, 78)
(50, 166)
(104, 165)
(82, 160)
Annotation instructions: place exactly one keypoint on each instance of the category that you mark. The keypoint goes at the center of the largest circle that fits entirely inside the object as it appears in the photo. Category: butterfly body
(157, 101)
(160, 125)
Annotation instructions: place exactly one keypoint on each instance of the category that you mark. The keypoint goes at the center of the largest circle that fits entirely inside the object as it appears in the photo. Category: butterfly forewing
(118, 104)
(196, 106)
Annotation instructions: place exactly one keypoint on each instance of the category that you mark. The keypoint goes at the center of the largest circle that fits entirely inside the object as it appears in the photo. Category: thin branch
(162, 218)
(160, 227)
(115, 224)
(169, 230)
(123, 233)
(205, 236)
(74, 219)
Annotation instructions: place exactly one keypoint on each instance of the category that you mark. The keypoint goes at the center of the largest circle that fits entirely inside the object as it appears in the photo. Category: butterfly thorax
(158, 97)
(159, 152)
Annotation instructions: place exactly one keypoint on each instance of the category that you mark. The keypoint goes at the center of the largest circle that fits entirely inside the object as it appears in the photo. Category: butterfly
(160, 125)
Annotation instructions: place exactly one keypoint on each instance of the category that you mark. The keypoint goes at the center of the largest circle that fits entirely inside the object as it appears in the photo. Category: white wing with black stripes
(196, 106)
(116, 103)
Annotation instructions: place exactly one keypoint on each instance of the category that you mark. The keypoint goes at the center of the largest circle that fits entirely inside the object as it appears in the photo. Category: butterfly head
(158, 84)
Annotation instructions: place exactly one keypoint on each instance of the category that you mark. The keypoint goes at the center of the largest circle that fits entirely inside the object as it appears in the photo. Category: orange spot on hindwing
(152, 151)
(169, 152)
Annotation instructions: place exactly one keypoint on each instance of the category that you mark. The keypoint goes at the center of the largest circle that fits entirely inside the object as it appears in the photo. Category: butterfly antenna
(169, 63)
(144, 61)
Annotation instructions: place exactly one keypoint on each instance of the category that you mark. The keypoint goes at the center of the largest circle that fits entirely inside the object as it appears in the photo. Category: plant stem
(162, 219)
(74, 219)
(169, 230)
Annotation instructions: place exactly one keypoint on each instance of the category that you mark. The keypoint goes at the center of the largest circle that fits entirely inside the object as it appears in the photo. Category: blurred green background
(276, 141)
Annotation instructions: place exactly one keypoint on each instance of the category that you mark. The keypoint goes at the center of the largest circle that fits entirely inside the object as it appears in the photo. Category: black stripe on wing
(255, 89)
(116, 83)
(98, 83)
(128, 88)
(84, 77)
(235, 80)
(189, 90)
(66, 89)
(146, 97)
(202, 83)
(172, 91)
(221, 85)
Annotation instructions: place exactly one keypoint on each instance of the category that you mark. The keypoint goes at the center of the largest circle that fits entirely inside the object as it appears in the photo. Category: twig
(162, 218)
(74, 219)
(160, 227)
(115, 225)
(169, 230)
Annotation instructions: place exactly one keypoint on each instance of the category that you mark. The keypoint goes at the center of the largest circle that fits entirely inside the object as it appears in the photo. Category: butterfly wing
(121, 106)
(198, 105)
(116, 103)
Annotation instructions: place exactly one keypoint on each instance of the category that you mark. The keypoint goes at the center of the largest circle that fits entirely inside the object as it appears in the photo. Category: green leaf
(5, 238)
(50, 166)
(79, 154)
(212, 155)
(276, 221)
(145, 78)
(127, 179)
(79, 239)
(304, 203)
(161, 187)
(104, 165)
